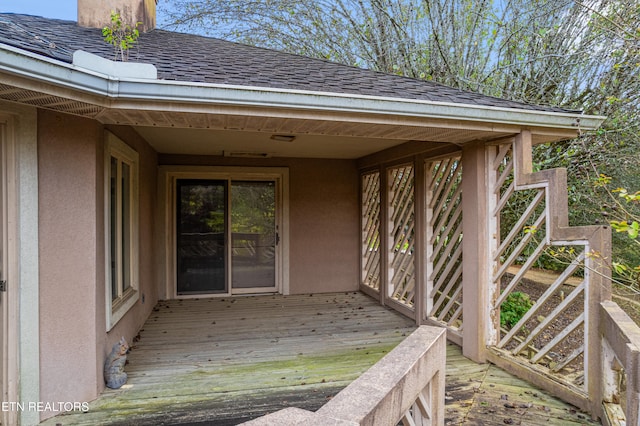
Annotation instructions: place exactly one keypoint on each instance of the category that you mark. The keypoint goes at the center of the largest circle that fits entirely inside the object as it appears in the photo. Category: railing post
(598, 275)
(475, 276)
(620, 347)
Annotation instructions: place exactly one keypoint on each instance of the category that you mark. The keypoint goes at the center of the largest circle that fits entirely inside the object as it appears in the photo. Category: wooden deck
(224, 361)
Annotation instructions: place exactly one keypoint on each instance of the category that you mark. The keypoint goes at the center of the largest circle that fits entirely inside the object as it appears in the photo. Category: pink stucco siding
(324, 226)
(69, 240)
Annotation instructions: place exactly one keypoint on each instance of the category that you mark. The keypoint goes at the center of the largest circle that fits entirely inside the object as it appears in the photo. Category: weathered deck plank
(236, 359)
(483, 394)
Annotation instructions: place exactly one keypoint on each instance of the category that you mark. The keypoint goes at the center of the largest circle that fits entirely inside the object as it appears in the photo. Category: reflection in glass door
(253, 235)
(212, 213)
(201, 235)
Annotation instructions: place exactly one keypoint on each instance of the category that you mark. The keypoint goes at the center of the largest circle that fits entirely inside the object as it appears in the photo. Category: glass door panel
(253, 236)
(201, 232)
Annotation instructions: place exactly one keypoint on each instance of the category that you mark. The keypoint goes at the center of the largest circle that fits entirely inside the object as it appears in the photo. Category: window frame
(128, 294)
(168, 176)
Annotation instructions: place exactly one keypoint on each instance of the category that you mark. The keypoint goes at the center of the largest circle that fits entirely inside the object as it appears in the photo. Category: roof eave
(114, 90)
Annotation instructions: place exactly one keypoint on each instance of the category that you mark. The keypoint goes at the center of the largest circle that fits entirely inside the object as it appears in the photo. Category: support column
(475, 270)
(384, 235)
(420, 251)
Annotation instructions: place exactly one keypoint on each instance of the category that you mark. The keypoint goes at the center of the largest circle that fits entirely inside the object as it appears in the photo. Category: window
(121, 194)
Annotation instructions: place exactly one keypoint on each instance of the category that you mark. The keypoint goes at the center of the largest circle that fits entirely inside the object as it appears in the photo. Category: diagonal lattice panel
(444, 242)
(401, 235)
(370, 273)
(538, 285)
(422, 410)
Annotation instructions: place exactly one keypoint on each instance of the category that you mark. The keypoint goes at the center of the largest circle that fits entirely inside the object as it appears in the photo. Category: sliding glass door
(226, 236)
(201, 229)
(253, 235)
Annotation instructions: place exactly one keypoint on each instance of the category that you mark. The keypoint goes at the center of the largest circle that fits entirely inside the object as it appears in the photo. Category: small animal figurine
(114, 374)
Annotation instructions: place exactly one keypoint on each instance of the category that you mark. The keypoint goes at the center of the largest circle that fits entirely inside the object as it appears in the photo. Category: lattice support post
(420, 242)
(384, 236)
(475, 281)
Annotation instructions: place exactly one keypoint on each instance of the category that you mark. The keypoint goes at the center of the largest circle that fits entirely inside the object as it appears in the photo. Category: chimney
(97, 13)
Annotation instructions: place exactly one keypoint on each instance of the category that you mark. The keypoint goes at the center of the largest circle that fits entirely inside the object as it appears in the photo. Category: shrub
(513, 308)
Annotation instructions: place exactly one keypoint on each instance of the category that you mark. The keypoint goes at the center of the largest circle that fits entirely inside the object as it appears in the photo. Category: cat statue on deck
(114, 374)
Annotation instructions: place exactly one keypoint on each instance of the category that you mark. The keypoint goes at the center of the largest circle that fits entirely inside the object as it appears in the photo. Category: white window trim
(116, 309)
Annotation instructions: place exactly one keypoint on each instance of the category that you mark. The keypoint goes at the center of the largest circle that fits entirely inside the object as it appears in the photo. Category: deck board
(224, 361)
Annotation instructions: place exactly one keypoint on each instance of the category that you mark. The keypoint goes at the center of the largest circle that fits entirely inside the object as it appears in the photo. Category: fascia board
(58, 73)
(355, 104)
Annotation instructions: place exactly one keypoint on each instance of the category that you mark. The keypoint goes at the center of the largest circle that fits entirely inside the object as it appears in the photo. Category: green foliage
(513, 308)
(624, 218)
(253, 207)
(122, 37)
(631, 228)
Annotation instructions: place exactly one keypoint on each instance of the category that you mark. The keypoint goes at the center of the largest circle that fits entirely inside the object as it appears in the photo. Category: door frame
(21, 317)
(169, 175)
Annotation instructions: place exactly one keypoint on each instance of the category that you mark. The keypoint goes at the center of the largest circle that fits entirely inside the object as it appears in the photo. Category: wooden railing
(573, 341)
(621, 356)
(407, 386)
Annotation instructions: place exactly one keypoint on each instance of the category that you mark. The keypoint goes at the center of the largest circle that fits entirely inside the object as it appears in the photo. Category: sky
(59, 9)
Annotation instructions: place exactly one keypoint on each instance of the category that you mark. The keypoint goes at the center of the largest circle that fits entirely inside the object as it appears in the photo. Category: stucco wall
(323, 218)
(323, 226)
(67, 158)
(73, 336)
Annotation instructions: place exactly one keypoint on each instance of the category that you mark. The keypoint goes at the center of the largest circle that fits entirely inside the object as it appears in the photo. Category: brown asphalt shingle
(193, 58)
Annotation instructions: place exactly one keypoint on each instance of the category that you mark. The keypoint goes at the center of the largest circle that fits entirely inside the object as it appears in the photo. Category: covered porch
(231, 360)
(424, 205)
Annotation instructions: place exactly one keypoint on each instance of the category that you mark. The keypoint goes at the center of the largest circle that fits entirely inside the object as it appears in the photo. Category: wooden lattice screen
(444, 242)
(401, 237)
(370, 273)
(538, 284)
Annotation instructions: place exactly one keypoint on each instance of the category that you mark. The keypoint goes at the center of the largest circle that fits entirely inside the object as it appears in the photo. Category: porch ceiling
(248, 136)
(318, 134)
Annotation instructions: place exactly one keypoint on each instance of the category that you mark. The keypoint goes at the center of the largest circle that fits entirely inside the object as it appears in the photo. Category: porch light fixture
(283, 138)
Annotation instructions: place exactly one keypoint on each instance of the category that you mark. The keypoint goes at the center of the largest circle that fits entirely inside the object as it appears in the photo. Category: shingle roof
(193, 58)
